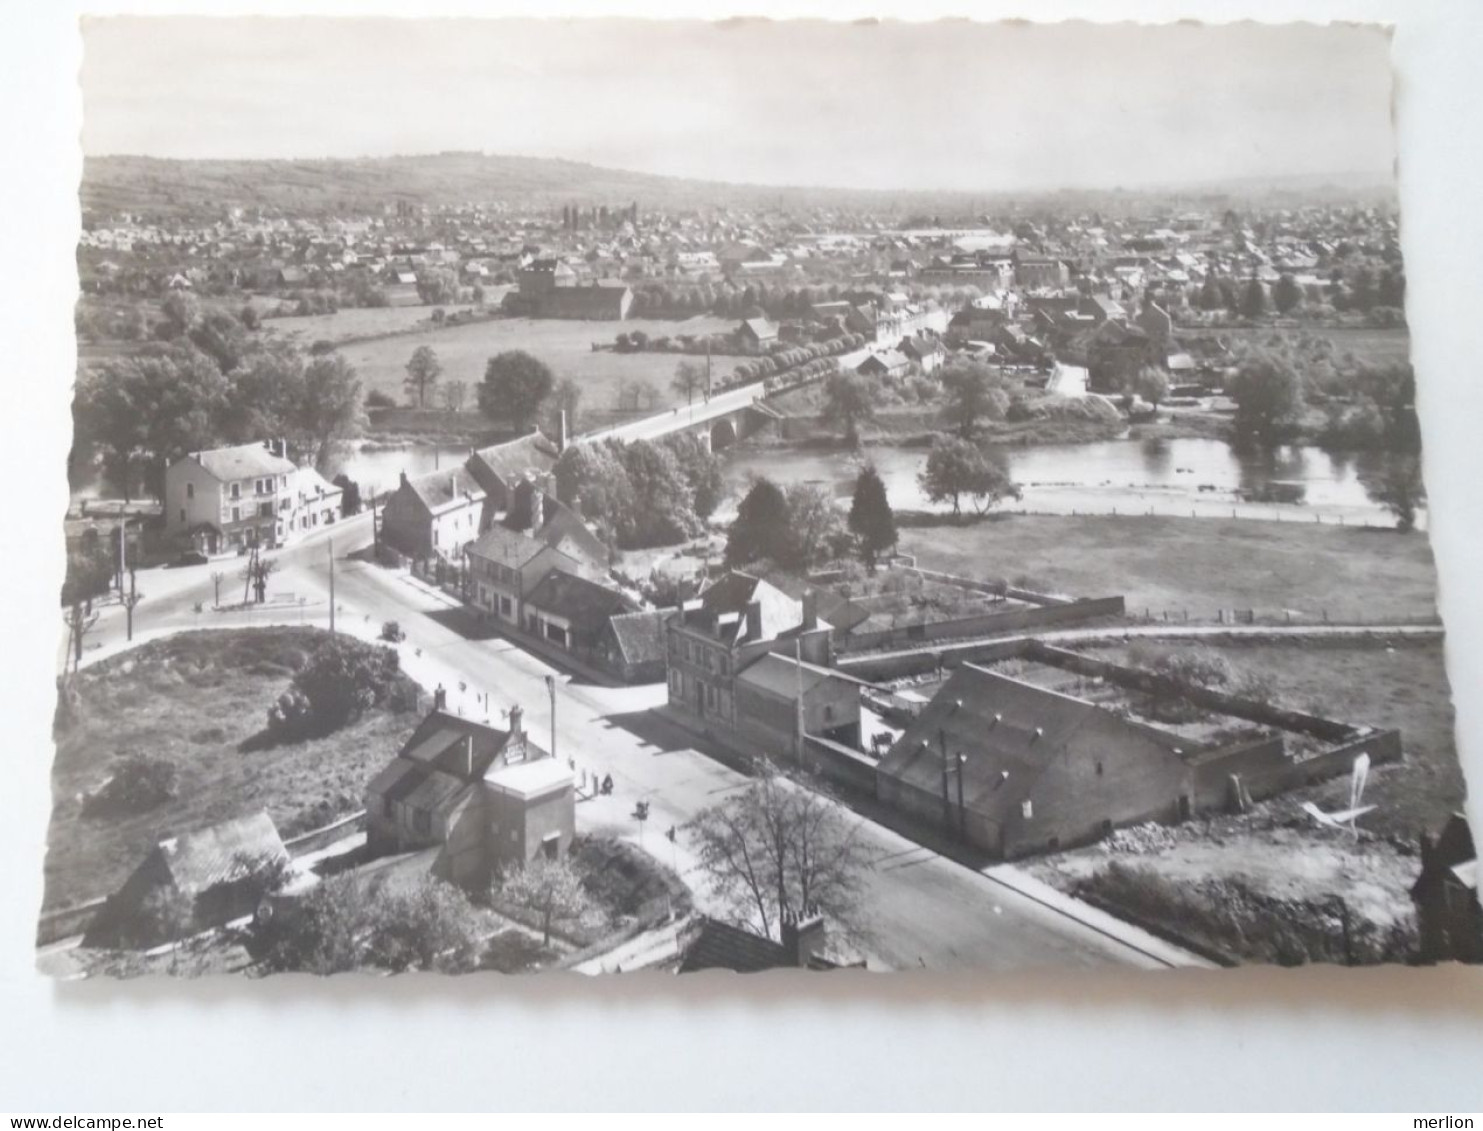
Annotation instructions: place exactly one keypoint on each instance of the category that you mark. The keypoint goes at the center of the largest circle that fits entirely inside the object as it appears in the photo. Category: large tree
(1152, 384)
(703, 471)
(815, 526)
(775, 850)
(437, 285)
(1268, 392)
(141, 413)
(1286, 294)
(1253, 300)
(514, 388)
(974, 393)
(423, 371)
(871, 518)
(956, 468)
(689, 379)
(348, 923)
(849, 400)
(1396, 485)
(331, 411)
(761, 526)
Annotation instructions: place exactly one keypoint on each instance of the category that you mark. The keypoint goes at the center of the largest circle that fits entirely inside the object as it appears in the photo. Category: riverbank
(1198, 566)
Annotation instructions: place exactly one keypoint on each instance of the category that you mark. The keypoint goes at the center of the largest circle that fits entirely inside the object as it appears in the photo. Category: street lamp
(551, 690)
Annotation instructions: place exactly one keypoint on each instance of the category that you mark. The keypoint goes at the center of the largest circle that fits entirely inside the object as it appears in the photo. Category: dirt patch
(1267, 886)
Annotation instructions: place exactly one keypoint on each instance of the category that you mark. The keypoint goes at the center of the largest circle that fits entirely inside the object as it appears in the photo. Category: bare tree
(777, 849)
(256, 573)
(454, 395)
(79, 624)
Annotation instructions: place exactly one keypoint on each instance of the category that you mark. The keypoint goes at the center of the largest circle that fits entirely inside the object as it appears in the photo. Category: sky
(949, 105)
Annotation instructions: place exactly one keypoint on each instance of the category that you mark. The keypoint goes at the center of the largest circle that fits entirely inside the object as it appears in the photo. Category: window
(182, 514)
(265, 510)
(1027, 809)
(190, 490)
(236, 490)
(236, 514)
(1099, 769)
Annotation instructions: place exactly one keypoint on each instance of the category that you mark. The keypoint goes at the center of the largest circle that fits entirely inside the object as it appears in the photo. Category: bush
(377, 399)
(341, 680)
(139, 783)
(393, 632)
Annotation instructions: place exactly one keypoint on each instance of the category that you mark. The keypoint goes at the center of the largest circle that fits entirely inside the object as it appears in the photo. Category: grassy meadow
(193, 699)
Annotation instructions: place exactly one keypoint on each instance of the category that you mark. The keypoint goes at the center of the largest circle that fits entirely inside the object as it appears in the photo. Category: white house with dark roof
(226, 498)
(434, 515)
(486, 798)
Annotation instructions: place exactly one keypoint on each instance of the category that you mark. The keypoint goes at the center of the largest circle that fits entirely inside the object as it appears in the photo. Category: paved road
(923, 909)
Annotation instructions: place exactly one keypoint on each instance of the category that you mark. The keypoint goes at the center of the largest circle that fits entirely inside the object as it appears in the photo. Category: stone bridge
(721, 421)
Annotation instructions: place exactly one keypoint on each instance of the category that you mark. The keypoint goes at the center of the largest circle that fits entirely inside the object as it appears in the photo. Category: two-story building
(486, 799)
(434, 515)
(511, 558)
(711, 640)
(227, 498)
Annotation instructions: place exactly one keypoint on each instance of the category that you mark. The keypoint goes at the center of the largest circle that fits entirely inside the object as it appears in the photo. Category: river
(1174, 477)
(1203, 477)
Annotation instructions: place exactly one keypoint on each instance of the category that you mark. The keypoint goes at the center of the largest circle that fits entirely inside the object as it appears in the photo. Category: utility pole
(798, 697)
(129, 602)
(332, 586)
(551, 690)
(123, 553)
(216, 579)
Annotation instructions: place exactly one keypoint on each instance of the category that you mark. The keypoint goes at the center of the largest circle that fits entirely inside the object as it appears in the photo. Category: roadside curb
(1095, 919)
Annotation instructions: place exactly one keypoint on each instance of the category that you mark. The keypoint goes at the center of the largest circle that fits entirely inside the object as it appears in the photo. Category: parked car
(190, 558)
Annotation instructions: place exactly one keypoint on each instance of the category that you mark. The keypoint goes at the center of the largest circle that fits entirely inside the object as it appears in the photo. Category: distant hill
(170, 187)
(165, 187)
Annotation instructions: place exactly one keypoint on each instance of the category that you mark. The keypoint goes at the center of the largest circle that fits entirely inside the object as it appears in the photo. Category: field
(191, 699)
(352, 322)
(1199, 565)
(566, 346)
(1367, 344)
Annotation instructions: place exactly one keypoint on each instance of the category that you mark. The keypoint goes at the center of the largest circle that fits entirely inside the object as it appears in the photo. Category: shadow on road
(464, 623)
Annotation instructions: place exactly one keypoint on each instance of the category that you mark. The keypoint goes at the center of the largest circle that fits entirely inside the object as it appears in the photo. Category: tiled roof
(244, 461)
(199, 859)
(587, 604)
(719, 946)
(439, 489)
(508, 547)
(509, 461)
(640, 635)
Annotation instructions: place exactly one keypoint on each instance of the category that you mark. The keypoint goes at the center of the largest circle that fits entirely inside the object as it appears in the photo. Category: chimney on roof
(754, 619)
(440, 698)
(576, 505)
(810, 610)
(517, 717)
(537, 509)
(803, 936)
(404, 478)
(561, 433)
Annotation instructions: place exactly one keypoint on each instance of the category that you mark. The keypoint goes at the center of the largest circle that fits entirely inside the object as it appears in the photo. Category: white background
(1317, 1038)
